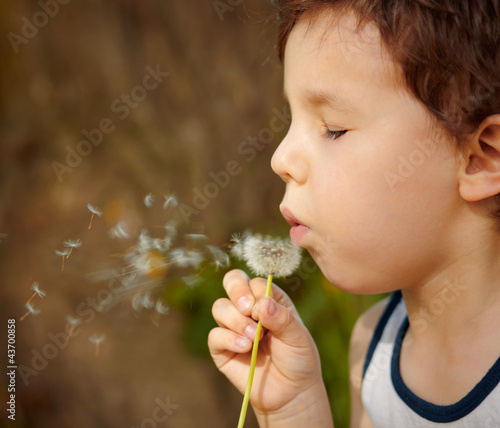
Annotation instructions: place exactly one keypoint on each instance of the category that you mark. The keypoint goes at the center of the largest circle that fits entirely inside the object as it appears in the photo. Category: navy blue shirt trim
(433, 412)
(382, 322)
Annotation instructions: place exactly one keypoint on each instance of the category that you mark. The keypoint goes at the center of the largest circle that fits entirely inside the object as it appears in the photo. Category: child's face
(374, 205)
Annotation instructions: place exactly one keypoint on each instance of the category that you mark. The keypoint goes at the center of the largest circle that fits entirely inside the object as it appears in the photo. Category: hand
(288, 368)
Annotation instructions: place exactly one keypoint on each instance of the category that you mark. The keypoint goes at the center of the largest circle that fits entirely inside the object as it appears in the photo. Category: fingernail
(272, 309)
(242, 342)
(244, 303)
(250, 330)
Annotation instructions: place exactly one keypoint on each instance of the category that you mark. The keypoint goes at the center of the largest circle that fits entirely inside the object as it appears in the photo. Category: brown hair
(449, 50)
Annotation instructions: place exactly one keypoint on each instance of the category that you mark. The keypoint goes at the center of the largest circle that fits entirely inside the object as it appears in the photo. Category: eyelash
(333, 135)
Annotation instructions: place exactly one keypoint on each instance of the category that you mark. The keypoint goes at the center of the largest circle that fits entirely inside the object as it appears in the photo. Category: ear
(480, 177)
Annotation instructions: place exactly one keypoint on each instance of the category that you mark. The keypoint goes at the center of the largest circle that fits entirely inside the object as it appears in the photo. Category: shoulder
(363, 331)
(360, 341)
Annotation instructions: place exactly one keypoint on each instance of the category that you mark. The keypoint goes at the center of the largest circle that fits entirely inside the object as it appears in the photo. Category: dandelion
(95, 211)
(31, 310)
(149, 200)
(63, 253)
(170, 202)
(118, 231)
(37, 291)
(72, 243)
(97, 340)
(266, 256)
(73, 323)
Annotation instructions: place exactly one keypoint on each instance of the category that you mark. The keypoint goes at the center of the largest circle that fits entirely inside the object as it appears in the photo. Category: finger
(236, 284)
(224, 343)
(281, 322)
(228, 316)
(259, 288)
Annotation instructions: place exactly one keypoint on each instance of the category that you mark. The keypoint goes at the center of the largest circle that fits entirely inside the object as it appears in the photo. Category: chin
(352, 282)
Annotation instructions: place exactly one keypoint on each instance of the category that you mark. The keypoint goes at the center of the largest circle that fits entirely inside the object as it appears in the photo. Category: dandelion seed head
(149, 200)
(62, 253)
(37, 290)
(266, 255)
(94, 210)
(73, 243)
(170, 202)
(32, 309)
(238, 245)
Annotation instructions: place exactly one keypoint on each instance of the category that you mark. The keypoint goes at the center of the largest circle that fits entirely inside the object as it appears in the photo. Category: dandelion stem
(253, 362)
(91, 218)
(62, 268)
(24, 316)
(31, 298)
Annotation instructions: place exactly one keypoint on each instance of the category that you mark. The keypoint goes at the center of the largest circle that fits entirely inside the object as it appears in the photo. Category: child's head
(447, 50)
(380, 93)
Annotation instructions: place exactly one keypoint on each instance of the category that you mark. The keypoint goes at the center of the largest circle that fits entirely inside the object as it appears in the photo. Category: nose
(289, 160)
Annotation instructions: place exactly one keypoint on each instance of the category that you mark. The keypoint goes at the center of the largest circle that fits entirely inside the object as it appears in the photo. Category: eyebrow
(318, 98)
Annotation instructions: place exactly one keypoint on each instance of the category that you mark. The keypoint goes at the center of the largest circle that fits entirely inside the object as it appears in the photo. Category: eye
(333, 135)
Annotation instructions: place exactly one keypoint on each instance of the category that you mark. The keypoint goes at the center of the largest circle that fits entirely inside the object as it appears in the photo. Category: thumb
(282, 322)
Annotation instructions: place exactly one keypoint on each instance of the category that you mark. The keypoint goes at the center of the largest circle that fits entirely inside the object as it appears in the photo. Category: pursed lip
(289, 217)
(299, 230)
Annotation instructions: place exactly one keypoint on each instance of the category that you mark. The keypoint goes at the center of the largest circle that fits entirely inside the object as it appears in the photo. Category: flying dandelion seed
(37, 291)
(170, 202)
(97, 340)
(160, 309)
(149, 200)
(31, 310)
(183, 258)
(237, 245)
(72, 243)
(63, 253)
(195, 237)
(118, 231)
(221, 259)
(95, 211)
(73, 323)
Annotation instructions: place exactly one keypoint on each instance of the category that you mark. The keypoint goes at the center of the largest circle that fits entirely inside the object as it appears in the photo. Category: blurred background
(105, 102)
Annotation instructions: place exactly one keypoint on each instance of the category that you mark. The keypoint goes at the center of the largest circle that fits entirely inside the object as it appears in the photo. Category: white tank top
(391, 404)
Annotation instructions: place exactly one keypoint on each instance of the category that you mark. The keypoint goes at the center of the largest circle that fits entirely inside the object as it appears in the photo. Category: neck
(457, 301)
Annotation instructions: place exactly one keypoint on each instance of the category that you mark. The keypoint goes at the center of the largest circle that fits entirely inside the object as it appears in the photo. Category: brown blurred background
(74, 67)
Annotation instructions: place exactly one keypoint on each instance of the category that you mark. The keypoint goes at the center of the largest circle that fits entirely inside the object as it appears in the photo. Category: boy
(392, 166)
